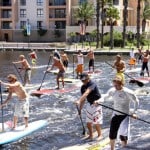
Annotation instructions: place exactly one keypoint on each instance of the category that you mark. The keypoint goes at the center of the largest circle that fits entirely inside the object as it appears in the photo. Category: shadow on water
(64, 127)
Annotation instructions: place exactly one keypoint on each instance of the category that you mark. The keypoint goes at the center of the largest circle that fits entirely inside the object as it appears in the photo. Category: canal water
(64, 127)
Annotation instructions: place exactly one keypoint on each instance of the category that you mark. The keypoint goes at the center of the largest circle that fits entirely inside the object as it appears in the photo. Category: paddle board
(99, 144)
(70, 80)
(7, 126)
(95, 72)
(52, 91)
(144, 80)
(133, 70)
(68, 71)
(20, 132)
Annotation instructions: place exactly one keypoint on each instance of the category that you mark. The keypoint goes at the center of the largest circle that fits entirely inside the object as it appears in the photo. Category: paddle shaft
(123, 113)
(18, 73)
(45, 73)
(81, 119)
(138, 82)
(2, 107)
(73, 65)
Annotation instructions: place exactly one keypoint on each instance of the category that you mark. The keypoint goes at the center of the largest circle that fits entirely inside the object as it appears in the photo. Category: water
(64, 127)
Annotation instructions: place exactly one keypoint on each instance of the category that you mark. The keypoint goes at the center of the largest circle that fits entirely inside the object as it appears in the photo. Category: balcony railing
(57, 3)
(5, 4)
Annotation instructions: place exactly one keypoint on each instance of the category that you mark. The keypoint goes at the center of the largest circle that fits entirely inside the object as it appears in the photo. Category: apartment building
(54, 16)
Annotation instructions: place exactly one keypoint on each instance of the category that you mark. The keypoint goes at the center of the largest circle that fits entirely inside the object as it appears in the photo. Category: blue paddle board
(20, 131)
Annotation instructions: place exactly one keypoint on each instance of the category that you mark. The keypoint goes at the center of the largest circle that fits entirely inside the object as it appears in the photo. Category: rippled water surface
(64, 127)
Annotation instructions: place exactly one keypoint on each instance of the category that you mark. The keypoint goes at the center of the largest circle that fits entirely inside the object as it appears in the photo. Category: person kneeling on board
(22, 104)
(60, 75)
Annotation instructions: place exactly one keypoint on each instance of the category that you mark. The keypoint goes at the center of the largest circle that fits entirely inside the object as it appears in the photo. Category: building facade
(53, 20)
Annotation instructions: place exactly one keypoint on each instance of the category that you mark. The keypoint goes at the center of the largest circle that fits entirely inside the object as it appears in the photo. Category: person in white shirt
(80, 63)
(132, 61)
(121, 97)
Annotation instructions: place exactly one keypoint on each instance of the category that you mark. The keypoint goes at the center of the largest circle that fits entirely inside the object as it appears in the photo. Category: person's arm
(7, 100)
(18, 62)
(82, 99)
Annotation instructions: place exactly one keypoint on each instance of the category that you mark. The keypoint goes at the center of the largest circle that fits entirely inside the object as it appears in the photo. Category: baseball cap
(84, 76)
(118, 79)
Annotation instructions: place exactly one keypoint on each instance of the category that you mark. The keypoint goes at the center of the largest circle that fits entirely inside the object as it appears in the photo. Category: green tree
(125, 12)
(112, 14)
(103, 17)
(145, 16)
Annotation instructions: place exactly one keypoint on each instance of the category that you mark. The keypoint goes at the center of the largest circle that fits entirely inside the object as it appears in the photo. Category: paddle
(123, 113)
(2, 107)
(18, 73)
(139, 83)
(45, 73)
(81, 120)
(73, 65)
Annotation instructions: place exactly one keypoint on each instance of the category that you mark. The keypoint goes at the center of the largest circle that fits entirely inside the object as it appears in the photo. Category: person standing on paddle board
(145, 59)
(132, 61)
(33, 57)
(80, 63)
(122, 98)
(60, 75)
(21, 108)
(64, 59)
(94, 115)
(91, 57)
(120, 67)
(26, 67)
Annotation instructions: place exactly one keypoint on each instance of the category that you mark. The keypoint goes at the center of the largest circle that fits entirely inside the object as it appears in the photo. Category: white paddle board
(21, 131)
(133, 70)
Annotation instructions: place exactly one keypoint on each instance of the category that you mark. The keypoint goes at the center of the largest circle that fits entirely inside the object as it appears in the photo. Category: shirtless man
(119, 65)
(58, 63)
(22, 105)
(26, 67)
(91, 57)
(64, 59)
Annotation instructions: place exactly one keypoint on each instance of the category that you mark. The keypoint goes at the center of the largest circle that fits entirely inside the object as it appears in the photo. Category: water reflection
(64, 125)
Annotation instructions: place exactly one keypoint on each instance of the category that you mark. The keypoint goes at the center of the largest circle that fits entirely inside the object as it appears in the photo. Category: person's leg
(26, 121)
(15, 120)
(112, 144)
(90, 129)
(57, 79)
(98, 129)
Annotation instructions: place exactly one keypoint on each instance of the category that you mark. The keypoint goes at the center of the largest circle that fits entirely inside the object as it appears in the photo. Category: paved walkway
(10, 46)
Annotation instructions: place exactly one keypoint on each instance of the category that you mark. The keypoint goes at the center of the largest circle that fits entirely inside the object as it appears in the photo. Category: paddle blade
(139, 83)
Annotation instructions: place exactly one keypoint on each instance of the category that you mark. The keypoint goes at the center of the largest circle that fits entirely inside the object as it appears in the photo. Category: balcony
(5, 3)
(57, 2)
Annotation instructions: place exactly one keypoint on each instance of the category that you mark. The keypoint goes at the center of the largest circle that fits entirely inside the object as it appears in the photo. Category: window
(60, 13)
(6, 25)
(116, 2)
(39, 2)
(22, 13)
(59, 2)
(39, 12)
(23, 2)
(6, 13)
(22, 24)
(60, 24)
(39, 24)
(82, 1)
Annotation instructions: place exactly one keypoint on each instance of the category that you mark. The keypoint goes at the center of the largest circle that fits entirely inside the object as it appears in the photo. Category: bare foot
(99, 138)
